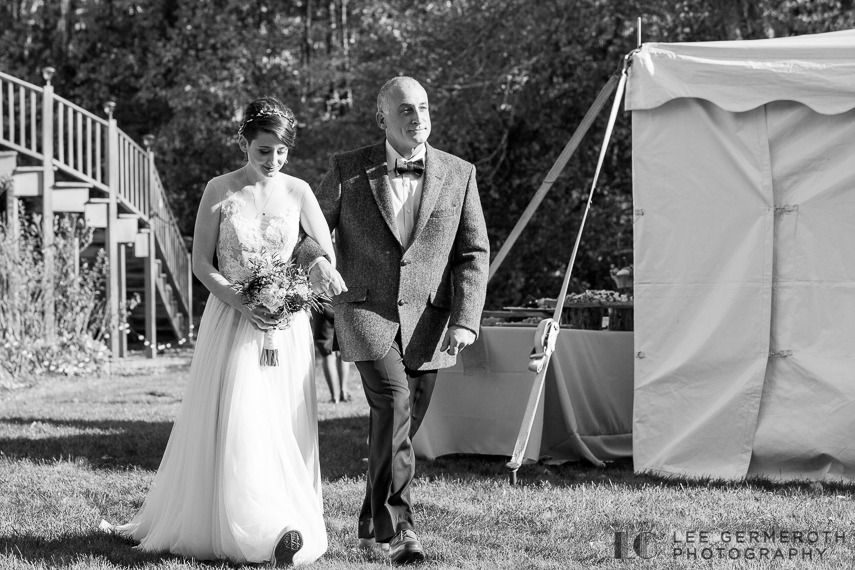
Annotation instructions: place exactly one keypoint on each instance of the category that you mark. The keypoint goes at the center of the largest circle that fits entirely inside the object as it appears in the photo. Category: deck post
(113, 177)
(48, 243)
(151, 261)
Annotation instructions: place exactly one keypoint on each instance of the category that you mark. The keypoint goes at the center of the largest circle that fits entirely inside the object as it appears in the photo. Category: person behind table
(334, 368)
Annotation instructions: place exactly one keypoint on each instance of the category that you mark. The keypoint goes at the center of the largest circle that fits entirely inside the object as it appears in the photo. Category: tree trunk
(307, 35)
(331, 28)
(345, 44)
(307, 52)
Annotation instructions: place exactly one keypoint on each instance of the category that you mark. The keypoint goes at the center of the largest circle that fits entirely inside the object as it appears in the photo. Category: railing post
(151, 297)
(113, 176)
(189, 294)
(47, 205)
(151, 260)
(12, 222)
(123, 298)
(14, 230)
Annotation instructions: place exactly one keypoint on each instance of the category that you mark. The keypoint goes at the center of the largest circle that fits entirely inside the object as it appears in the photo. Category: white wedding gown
(241, 464)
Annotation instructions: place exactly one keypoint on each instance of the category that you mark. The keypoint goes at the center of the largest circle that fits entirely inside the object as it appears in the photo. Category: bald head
(393, 85)
(403, 112)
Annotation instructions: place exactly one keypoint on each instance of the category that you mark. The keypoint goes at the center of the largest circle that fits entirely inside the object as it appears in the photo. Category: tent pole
(548, 344)
(553, 174)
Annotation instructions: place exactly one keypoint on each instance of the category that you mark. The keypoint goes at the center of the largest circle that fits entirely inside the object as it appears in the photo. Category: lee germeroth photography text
(806, 545)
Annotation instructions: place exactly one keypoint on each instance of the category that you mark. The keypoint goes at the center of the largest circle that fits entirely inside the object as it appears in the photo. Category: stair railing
(33, 120)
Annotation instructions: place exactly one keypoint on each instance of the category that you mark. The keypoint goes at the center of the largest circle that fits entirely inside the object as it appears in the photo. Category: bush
(81, 314)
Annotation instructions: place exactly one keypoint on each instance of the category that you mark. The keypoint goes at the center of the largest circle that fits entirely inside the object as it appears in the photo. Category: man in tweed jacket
(413, 251)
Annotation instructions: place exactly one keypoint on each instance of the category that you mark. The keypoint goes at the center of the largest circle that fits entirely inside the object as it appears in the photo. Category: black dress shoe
(287, 545)
(405, 548)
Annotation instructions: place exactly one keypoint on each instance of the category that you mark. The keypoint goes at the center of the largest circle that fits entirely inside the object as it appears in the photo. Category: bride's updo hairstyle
(271, 115)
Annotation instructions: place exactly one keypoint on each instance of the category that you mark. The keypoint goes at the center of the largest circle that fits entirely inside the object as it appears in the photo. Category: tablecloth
(478, 404)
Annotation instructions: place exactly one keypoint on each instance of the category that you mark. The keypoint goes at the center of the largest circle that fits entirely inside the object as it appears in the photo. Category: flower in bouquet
(283, 288)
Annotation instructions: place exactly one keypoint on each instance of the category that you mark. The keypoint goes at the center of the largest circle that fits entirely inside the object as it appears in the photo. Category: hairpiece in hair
(266, 112)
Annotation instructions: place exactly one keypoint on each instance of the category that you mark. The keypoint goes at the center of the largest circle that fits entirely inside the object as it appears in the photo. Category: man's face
(406, 118)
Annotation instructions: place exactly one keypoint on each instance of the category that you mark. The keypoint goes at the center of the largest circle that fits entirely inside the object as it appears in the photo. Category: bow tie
(417, 167)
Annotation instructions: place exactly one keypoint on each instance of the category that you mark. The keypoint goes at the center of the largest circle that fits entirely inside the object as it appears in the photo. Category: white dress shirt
(406, 193)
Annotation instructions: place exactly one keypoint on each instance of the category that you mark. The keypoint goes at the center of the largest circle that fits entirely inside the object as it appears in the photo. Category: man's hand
(456, 339)
(325, 279)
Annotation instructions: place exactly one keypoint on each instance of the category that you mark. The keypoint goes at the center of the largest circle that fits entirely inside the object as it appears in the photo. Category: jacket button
(401, 303)
(404, 262)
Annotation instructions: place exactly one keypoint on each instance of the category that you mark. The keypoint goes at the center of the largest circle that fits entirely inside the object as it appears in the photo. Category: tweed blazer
(438, 281)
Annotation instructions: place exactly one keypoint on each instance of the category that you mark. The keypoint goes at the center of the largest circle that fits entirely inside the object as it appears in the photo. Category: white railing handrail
(136, 146)
(179, 263)
(166, 205)
(20, 82)
(66, 103)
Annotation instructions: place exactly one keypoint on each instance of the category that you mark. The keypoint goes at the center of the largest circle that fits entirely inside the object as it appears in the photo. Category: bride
(240, 478)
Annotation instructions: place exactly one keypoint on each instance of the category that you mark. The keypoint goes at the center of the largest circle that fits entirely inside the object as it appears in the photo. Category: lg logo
(635, 545)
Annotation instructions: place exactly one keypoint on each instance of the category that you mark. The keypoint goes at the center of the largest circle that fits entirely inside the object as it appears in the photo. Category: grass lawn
(74, 451)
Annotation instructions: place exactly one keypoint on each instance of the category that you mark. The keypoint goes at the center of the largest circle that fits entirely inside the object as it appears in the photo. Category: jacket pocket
(352, 295)
(440, 298)
(444, 213)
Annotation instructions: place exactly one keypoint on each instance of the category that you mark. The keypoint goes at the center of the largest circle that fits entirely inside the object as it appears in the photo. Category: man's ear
(381, 120)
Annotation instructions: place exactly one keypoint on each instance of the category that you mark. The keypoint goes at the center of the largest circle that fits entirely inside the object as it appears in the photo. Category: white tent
(744, 197)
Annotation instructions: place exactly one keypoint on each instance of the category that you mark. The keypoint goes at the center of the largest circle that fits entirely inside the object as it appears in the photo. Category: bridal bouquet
(283, 288)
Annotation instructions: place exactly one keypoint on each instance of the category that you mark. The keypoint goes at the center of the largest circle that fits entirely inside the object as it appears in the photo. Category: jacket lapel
(435, 171)
(378, 179)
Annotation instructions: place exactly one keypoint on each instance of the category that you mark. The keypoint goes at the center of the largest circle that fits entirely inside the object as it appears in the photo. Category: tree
(509, 81)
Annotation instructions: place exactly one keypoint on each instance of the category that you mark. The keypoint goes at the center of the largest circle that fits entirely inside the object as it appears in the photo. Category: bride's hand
(325, 279)
(260, 317)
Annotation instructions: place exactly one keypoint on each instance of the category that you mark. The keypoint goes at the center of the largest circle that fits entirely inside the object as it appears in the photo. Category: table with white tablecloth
(478, 404)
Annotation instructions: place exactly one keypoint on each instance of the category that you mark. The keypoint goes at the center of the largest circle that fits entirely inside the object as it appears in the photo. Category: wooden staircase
(170, 318)
(62, 158)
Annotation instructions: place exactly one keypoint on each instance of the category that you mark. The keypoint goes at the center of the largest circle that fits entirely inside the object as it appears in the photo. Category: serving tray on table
(614, 315)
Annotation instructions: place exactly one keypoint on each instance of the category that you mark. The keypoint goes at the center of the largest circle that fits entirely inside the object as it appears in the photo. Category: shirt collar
(392, 155)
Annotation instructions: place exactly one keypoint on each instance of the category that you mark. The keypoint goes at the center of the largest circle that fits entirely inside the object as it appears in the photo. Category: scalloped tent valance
(817, 71)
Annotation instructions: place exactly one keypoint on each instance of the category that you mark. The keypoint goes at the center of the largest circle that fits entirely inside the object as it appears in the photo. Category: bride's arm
(205, 237)
(313, 222)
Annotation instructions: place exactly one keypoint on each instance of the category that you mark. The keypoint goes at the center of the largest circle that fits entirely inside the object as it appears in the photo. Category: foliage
(509, 81)
(80, 308)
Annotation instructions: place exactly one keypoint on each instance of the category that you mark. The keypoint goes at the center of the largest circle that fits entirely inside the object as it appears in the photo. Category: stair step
(8, 162)
(27, 181)
(70, 196)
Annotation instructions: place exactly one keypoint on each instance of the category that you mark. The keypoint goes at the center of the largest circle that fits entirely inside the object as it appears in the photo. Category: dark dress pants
(398, 398)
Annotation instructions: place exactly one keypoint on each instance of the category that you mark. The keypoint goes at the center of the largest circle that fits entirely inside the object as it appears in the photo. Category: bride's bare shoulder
(295, 185)
(224, 185)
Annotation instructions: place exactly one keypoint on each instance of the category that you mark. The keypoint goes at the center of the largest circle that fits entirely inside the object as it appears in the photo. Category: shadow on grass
(116, 444)
(104, 444)
(67, 549)
(110, 444)
(343, 445)
(618, 473)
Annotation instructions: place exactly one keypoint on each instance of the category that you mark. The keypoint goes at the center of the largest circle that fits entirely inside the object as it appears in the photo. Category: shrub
(81, 314)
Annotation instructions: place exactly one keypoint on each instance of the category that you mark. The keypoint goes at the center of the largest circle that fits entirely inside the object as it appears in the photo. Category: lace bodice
(241, 236)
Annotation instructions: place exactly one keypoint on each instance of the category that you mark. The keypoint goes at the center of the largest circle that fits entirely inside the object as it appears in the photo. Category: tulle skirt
(241, 464)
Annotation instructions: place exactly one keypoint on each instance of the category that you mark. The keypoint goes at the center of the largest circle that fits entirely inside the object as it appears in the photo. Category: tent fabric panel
(817, 71)
(806, 422)
(703, 264)
(807, 414)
